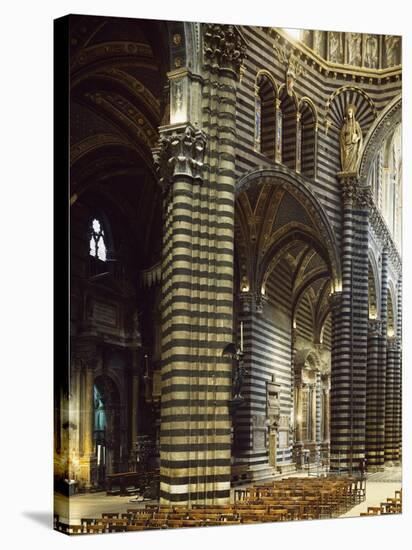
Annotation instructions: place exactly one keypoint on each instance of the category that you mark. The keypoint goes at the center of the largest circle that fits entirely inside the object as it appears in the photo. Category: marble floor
(379, 486)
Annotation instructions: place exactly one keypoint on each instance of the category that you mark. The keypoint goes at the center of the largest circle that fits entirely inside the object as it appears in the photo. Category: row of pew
(392, 505)
(290, 499)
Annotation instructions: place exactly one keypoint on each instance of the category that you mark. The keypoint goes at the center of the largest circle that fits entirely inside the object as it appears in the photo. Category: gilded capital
(180, 152)
(224, 47)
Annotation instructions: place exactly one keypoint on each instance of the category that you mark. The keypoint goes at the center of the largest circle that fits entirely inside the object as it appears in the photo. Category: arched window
(289, 129)
(97, 240)
(306, 140)
(265, 102)
(392, 184)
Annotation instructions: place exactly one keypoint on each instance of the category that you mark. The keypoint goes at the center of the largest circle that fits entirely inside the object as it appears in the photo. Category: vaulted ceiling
(279, 251)
(118, 76)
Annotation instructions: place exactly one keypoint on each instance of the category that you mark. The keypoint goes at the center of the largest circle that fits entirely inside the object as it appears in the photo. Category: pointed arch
(295, 185)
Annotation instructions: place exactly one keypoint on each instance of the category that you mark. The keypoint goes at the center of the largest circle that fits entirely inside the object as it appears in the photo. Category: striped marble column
(349, 360)
(391, 348)
(360, 316)
(336, 317)
(341, 378)
(372, 400)
(243, 415)
(197, 285)
(318, 408)
(397, 413)
(382, 356)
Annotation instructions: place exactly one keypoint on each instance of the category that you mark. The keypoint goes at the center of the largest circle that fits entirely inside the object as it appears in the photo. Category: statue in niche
(351, 140)
(99, 413)
(354, 48)
(335, 47)
(371, 51)
(391, 46)
(318, 42)
(292, 72)
(178, 96)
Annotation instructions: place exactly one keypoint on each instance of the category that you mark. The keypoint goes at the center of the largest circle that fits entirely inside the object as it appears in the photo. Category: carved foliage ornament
(224, 46)
(179, 153)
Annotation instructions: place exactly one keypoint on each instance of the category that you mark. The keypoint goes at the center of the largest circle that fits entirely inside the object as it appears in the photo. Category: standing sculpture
(354, 48)
(350, 141)
(318, 42)
(371, 51)
(392, 46)
(335, 47)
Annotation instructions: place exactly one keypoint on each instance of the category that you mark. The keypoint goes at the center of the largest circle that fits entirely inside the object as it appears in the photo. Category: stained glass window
(97, 242)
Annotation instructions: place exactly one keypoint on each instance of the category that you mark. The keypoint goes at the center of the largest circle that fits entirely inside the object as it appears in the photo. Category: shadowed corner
(43, 518)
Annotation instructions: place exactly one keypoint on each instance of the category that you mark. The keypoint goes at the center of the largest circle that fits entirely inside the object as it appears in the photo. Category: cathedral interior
(235, 259)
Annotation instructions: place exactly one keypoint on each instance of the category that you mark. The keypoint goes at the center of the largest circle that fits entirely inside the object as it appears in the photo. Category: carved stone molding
(224, 47)
(179, 153)
(374, 327)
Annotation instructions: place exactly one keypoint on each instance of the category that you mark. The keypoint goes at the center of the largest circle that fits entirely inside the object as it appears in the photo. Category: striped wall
(267, 355)
(319, 87)
(195, 457)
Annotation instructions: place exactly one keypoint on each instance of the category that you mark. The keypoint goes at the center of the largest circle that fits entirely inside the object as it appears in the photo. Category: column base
(298, 456)
(87, 468)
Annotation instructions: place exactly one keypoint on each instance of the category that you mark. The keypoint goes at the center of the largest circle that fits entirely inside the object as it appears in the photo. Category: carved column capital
(85, 355)
(224, 47)
(348, 191)
(362, 197)
(180, 152)
(246, 301)
(392, 343)
(335, 300)
(260, 301)
(374, 327)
